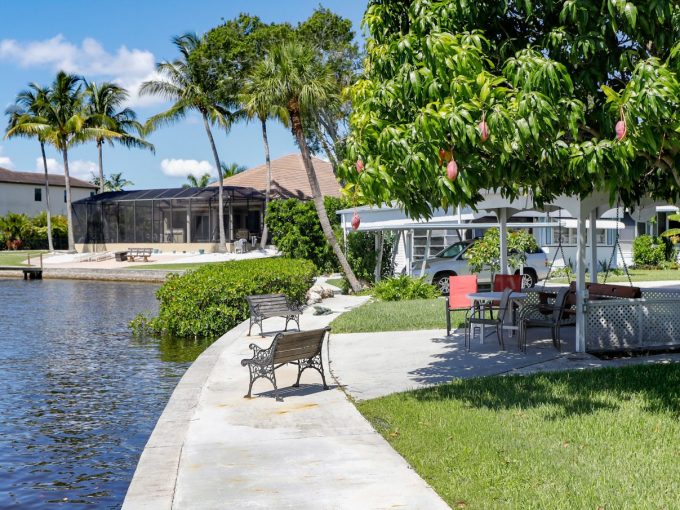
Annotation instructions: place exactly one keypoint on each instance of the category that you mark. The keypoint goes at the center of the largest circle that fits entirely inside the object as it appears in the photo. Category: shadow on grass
(568, 393)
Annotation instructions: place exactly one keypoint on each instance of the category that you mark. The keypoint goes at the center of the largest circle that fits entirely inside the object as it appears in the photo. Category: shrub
(486, 252)
(650, 251)
(296, 232)
(209, 301)
(404, 287)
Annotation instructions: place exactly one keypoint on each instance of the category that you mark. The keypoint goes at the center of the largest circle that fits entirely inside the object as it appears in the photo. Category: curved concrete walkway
(212, 448)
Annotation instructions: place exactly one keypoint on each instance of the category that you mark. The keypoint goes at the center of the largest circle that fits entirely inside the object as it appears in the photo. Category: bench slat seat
(266, 306)
(301, 348)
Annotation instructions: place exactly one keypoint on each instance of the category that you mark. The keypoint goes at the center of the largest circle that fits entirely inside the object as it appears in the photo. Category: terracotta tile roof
(38, 178)
(289, 179)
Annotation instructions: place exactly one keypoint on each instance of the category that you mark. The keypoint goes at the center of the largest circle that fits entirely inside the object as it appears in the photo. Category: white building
(447, 227)
(24, 192)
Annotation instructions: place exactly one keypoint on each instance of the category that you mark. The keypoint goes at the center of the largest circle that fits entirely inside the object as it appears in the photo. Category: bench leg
(317, 364)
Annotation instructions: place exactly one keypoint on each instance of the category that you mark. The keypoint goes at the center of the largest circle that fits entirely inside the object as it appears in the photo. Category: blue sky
(122, 44)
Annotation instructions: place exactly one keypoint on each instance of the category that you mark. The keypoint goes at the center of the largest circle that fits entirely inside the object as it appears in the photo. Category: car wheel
(441, 281)
(529, 279)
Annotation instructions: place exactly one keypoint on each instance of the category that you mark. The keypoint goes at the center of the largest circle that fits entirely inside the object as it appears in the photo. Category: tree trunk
(101, 167)
(69, 216)
(268, 189)
(50, 245)
(223, 244)
(296, 127)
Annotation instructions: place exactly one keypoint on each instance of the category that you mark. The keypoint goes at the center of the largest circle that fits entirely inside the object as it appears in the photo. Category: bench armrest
(260, 356)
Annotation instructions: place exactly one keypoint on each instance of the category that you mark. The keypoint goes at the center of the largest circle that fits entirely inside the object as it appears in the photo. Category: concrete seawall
(113, 275)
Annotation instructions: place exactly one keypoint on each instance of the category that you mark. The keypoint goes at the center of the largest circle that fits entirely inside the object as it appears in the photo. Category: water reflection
(79, 396)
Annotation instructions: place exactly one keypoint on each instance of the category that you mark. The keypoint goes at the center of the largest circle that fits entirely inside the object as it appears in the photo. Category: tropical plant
(114, 182)
(296, 79)
(63, 124)
(231, 169)
(30, 103)
(673, 233)
(197, 182)
(192, 86)
(485, 253)
(651, 251)
(524, 96)
(403, 287)
(105, 109)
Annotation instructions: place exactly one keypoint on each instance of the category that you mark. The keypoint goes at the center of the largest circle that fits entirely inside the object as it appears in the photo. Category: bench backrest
(268, 302)
(604, 289)
(298, 345)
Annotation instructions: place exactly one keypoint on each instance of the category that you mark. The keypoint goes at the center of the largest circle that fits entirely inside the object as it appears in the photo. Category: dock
(30, 272)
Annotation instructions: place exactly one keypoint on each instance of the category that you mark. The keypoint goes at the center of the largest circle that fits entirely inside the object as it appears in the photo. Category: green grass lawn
(335, 281)
(589, 439)
(18, 258)
(636, 275)
(395, 316)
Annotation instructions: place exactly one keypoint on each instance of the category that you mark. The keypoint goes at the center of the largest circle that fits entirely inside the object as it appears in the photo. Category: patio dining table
(489, 297)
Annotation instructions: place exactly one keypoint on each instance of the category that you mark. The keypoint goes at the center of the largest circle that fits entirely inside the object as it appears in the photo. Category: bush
(18, 231)
(404, 287)
(296, 232)
(650, 251)
(486, 252)
(209, 301)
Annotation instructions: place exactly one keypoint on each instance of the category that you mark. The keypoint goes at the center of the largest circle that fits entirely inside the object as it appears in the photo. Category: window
(453, 250)
(570, 236)
(37, 194)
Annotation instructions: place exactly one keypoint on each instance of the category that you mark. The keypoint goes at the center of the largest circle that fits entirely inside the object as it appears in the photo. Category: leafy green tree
(63, 124)
(29, 104)
(192, 86)
(549, 79)
(104, 107)
(199, 182)
(295, 78)
(485, 253)
(114, 182)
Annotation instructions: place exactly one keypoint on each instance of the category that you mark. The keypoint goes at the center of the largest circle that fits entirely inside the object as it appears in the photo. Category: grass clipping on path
(607, 438)
(395, 316)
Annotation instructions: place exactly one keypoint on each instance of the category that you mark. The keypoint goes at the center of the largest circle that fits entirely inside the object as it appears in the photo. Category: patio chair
(240, 246)
(471, 321)
(507, 281)
(545, 315)
(459, 288)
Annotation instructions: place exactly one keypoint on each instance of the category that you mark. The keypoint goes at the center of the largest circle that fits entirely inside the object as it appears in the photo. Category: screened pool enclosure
(162, 216)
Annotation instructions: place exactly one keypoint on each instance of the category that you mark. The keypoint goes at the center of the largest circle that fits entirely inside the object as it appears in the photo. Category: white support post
(502, 214)
(581, 293)
(231, 222)
(378, 255)
(408, 245)
(188, 237)
(593, 245)
(427, 253)
(395, 249)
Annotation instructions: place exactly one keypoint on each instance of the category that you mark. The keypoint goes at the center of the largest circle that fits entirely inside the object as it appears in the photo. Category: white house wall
(20, 198)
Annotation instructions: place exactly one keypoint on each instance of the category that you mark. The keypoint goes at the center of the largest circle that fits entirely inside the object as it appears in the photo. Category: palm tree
(115, 182)
(295, 78)
(62, 123)
(103, 108)
(200, 182)
(256, 102)
(28, 104)
(231, 169)
(191, 88)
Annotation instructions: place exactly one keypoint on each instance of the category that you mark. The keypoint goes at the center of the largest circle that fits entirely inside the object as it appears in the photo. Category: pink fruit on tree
(621, 129)
(483, 131)
(360, 166)
(356, 221)
(452, 170)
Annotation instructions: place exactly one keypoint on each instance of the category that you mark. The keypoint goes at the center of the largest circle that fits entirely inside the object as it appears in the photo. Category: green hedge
(650, 251)
(209, 301)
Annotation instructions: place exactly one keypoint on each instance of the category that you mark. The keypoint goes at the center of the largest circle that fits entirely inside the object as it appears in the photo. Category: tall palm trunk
(101, 167)
(69, 216)
(296, 127)
(50, 245)
(268, 189)
(223, 245)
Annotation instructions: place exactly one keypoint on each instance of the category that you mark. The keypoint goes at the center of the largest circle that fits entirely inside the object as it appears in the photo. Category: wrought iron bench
(302, 348)
(266, 306)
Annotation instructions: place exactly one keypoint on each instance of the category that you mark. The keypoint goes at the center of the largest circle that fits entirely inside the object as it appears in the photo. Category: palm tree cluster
(286, 78)
(69, 112)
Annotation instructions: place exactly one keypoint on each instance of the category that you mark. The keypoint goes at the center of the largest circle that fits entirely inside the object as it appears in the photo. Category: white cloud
(6, 161)
(78, 168)
(185, 167)
(129, 68)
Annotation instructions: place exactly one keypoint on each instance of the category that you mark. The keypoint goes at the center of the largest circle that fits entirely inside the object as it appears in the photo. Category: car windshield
(452, 251)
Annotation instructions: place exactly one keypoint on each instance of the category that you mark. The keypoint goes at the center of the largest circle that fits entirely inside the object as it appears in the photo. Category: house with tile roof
(24, 192)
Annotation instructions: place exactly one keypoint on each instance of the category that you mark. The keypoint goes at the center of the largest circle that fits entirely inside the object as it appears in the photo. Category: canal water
(79, 395)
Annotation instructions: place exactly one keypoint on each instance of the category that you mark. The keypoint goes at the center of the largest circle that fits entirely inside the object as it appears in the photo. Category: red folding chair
(459, 288)
(507, 281)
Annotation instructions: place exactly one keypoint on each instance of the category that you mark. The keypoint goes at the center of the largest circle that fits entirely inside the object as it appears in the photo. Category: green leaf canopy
(550, 78)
